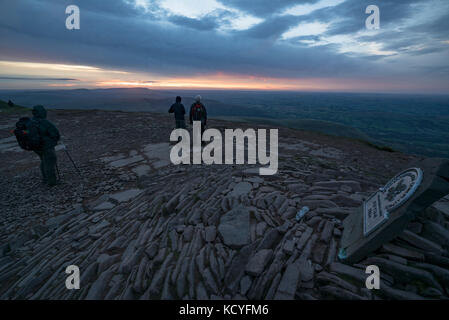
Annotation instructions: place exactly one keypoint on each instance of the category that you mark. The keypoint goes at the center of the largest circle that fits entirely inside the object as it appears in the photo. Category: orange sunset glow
(56, 75)
(212, 82)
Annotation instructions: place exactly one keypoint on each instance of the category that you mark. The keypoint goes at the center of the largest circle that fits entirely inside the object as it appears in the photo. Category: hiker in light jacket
(198, 113)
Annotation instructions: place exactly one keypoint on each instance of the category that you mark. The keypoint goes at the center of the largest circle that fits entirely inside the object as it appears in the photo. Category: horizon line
(237, 89)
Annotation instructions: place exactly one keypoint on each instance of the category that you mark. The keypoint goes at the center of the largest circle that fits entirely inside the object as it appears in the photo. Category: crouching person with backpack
(41, 136)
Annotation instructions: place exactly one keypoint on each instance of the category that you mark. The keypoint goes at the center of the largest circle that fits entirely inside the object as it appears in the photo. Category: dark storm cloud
(122, 8)
(36, 78)
(214, 20)
(265, 7)
(350, 16)
(404, 42)
(437, 27)
(120, 36)
(208, 23)
(142, 44)
(273, 27)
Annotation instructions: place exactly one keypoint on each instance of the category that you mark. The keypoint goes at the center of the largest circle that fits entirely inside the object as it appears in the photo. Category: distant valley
(417, 124)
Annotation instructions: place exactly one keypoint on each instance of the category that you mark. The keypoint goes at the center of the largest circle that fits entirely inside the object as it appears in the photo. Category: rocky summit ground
(139, 227)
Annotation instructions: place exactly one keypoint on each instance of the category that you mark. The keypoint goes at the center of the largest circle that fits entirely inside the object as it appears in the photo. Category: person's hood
(39, 112)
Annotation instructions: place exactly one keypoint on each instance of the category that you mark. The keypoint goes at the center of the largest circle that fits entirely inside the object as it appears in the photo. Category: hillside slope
(5, 107)
(414, 124)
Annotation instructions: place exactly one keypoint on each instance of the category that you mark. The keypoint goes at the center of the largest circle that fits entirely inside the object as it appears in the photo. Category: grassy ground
(6, 108)
(320, 126)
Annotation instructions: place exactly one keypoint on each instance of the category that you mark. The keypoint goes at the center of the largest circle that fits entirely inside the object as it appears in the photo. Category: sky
(302, 45)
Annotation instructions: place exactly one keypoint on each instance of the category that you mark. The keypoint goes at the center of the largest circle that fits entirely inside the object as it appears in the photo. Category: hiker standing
(198, 113)
(49, 136)
(178, 109)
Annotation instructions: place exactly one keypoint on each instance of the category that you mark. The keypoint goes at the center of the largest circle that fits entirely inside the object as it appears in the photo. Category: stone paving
(146, 229)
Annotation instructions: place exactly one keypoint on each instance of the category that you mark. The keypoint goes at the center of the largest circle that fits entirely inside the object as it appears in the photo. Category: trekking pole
(78, 170)
(57, 170)
(73, 162)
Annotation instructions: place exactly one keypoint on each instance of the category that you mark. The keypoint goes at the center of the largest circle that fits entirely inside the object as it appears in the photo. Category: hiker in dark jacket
(50, 137)
(198, 113)
(178, 109)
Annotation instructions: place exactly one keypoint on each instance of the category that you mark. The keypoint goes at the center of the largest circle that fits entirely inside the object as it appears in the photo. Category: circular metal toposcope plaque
(399, 189)
(396, 192)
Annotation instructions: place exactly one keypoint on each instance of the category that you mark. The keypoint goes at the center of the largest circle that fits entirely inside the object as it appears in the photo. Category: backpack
(28, 135)
(197, 112)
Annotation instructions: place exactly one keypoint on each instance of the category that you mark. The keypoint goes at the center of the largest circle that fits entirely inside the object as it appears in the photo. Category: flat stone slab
(241, 188)
(443, 207)
(251, 171)
(113, 158)
(159, 151)
(7, 140)
(336, 184)
(234, 227)
(141, 170)
(9, 144)
(327, 152)
(289, 282)
(104, 206)
(210, 233)
(295, 146)
(160, 164)
(11, 147)
(126, 195)
(126, 162)
(57, 221)
(255, 180)
(257, 263)
(96, 228)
